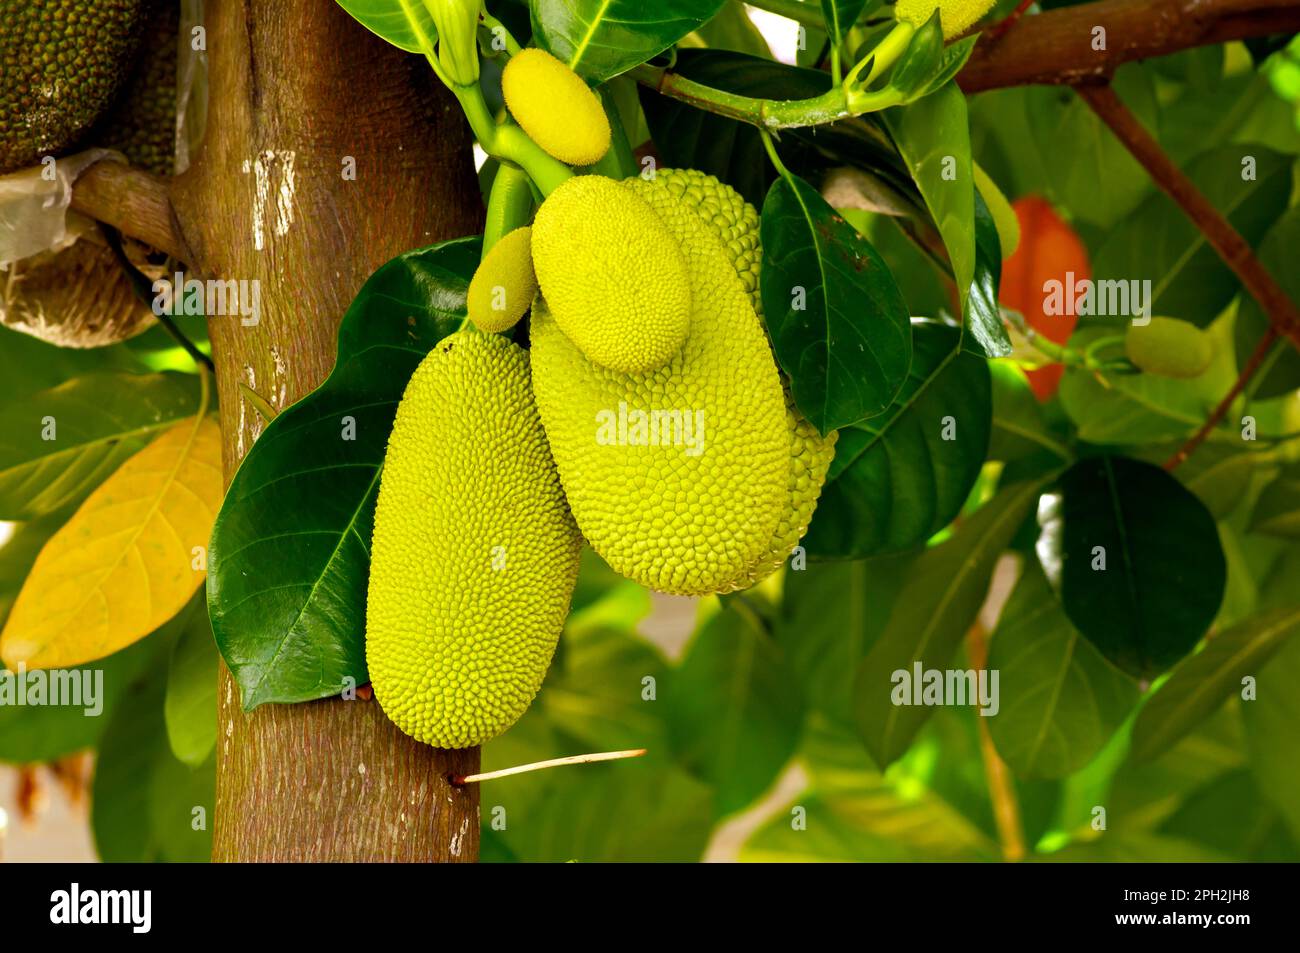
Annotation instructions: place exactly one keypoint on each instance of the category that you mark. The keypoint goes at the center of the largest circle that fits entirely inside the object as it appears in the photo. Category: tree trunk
(296, 87)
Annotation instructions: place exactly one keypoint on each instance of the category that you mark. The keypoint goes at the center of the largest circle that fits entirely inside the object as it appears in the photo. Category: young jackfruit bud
(613, 275)
(956, 16)
(555, 107)
(1169, 348)
(503, 286)
(457, 23)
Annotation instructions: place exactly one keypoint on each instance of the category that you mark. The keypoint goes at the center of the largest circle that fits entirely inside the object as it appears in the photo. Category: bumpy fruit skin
(1168, 347)
(61, 64)
(670, 520)
(612, 274)
(555, 107)
(1049, 250)
(1004, 216)
(954, 15)
(474, 555)
(504, 277)
(735, 223)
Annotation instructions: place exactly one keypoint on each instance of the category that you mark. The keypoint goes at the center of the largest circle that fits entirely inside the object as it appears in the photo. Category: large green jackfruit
(613, 276)
(736, 224)
(61, 65)
(474, 556)
(677, 476)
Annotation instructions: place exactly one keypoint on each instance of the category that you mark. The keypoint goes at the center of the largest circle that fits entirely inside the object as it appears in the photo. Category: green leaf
(1277, 512)
(602, 38)
(96, 422)
(1089, 170)
(932, 134)
(143, 800)
(733, 30)
(735, 714)
(931, 615)
(1061, 701)
(1281, 371)
(190, 707)
(406, 24)
(899, 478)
(1201, 683)
(290, 553)
(1230, 815)
(1020, 428)
(831, 615)
(1271, 735)
(1158, 242)
(28, 364)
(838, 322)
(988, 335)
(1164, 570)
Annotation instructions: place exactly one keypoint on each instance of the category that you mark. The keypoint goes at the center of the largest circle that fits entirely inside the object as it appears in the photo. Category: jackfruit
(503, 286)
(555, 107)
(474, 555)
(612, 274)
(1167, 347)
(62, 63)
(677, 476)
(735, 223)
(1004, 216)
(955, 16)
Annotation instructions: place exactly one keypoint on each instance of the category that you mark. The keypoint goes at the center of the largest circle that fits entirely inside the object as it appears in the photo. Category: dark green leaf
(838, 321)
(735, 713)
(1203, 682)
(1159, 243)
(831, 615)
(99, 420)
(988, 335)
(1164, 570)
(1060, 700)
(602, 38)
(931, 615)
(899, 478)
(733, 30)
(290, 552)
(1229, 814)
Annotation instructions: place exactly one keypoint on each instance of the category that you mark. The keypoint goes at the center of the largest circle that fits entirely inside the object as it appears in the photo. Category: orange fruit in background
(1049, 250)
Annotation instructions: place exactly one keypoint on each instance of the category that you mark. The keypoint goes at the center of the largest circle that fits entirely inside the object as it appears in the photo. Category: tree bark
(295, 88)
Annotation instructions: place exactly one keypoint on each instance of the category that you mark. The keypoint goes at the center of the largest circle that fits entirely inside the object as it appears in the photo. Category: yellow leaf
(123, 564)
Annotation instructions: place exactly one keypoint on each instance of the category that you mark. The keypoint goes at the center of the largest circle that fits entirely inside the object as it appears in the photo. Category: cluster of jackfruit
(648, 418)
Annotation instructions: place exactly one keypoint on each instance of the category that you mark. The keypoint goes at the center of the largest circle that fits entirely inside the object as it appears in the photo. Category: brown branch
(1056, 47)
(1223, 238)
(1252, 366)
(135, 203)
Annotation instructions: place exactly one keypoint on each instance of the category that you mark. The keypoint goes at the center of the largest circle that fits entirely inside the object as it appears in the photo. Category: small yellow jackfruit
(503, 286)
(955, 16)
(555, 107)
(612, 275)
(474, 555)
(1004, 216)
(1169, 348)
(735, 223)
(677, 477)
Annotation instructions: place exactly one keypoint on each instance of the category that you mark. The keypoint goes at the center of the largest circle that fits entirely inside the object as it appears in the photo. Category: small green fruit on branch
(461, 780)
